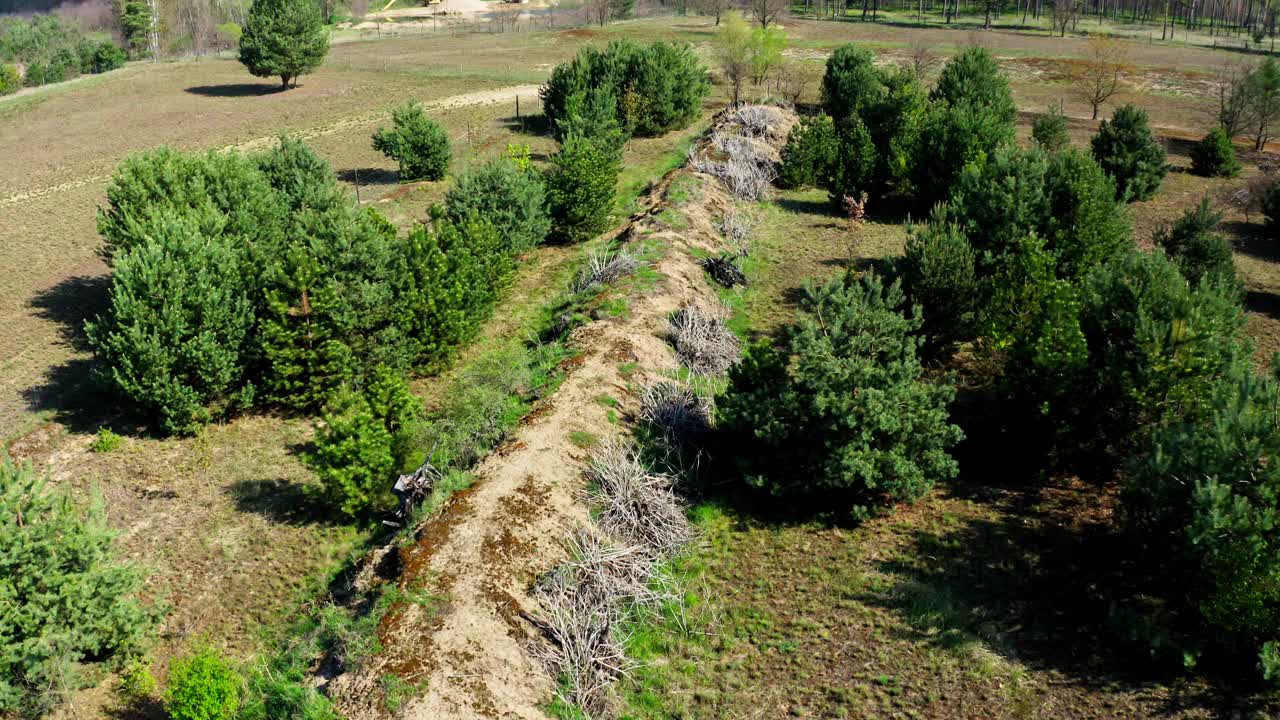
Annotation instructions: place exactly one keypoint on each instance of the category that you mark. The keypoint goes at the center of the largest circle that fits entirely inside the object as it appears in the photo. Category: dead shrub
(702, 343)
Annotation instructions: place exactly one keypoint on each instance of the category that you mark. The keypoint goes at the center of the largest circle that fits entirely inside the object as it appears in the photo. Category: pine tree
(811, 146)
(973, 77)
(283, 38)
(1214, 155)
(1194, 243)
(175, 338)
(939, 278)
(514, 201)
(224, 190)
(1127, 150)
(844, 412)
(1211, 486)
(416, 142)
(67, 598)
(353, 457)
(580, 189)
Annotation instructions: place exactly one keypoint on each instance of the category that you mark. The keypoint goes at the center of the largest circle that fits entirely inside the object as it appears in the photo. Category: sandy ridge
(486, 548)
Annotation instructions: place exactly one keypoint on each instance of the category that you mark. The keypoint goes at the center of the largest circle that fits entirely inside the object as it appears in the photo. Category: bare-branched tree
(1102, 71)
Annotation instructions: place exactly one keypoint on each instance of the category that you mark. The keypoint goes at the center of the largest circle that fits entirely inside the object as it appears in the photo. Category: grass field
(883, 631)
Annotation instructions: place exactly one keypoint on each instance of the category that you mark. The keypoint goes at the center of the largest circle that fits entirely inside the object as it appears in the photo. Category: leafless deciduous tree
(1232, 85)
(768, 12)
(921, 60)
(1102, 71)
(1063, 14)
(713, 8)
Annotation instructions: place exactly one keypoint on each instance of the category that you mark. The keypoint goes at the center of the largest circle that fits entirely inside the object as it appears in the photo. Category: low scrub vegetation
(51, 50)
(69, 600)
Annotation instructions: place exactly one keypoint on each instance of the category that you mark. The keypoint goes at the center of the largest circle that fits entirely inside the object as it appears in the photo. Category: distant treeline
(8, 7)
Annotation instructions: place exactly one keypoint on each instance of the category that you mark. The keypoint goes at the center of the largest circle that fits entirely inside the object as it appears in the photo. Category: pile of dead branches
(611, 572)
(604, 265)
(674, 408)
(702, 343)
(637, 506)
(736, 226)
(724, 270)
(744, 169)
(756, 120)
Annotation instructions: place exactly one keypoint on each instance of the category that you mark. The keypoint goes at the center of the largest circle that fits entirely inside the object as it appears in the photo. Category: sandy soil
(487, 547)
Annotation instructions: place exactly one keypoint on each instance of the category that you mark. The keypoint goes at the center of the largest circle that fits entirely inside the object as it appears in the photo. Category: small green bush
(810, 148)
(1195, 245)
(203, 686)
(843, 411)
(938, 275)
(513, 200)
(10, 80)
(174, 340)
(37, 73)
(417, 143)
(137, 684)
(1215, 156)
(354, 456)
(1049, 131)
(105, 441)
(102, 57)
(580, 189)
(1127, 151)
(67, 598)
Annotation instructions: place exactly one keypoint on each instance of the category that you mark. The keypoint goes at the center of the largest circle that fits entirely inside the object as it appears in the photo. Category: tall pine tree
(283, 38)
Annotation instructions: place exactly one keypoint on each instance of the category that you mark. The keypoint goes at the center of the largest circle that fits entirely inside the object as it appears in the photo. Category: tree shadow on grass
(1249, 239)
(71, 391)
(533, 124)
(235, 90)
(282, 501)
(369, 176)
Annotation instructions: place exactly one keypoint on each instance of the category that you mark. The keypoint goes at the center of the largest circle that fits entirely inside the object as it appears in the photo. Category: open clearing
(944, 610)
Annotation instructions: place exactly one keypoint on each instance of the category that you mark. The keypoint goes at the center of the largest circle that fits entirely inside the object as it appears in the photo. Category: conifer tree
(66, 598)
(175, 338)
(283, 38)
(1127, 150)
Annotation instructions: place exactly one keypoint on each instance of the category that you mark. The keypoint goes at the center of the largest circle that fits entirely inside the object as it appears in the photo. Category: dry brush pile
(615, 574)
(614, 570)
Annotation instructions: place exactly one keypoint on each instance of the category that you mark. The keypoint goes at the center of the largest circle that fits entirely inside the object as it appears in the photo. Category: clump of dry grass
(702, 343)
(605, 265)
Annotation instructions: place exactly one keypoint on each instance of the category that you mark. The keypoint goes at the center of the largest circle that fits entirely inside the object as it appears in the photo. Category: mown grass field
(809, 620)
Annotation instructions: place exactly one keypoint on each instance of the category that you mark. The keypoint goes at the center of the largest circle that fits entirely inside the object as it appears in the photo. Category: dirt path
(487, 547)
(484, 97)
